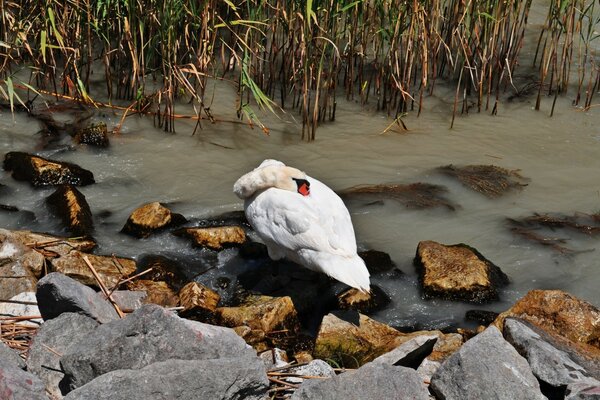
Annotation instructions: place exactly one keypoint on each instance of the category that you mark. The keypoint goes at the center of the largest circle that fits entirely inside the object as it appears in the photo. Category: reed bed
(289, 55)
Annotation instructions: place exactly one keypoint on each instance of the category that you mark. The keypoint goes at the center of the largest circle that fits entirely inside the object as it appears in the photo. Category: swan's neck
(281, 177)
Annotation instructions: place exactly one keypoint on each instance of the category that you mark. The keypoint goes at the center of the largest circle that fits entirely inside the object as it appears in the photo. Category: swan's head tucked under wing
(272, 174)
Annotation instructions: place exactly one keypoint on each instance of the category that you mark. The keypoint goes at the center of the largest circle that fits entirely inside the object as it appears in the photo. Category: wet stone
(482, 317)
(215, 238)
(457, 272)
(70, 205)
(163, 269)
(377, 261)
(354, 299)
(151, 218)
(199, 302)
(156, 292)
(93, 135)
(43, 172)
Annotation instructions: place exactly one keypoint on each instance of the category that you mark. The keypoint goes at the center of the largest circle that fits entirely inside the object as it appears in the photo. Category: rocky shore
(80, 325)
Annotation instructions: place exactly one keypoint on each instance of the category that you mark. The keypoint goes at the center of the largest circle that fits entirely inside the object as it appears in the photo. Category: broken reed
(287, 54)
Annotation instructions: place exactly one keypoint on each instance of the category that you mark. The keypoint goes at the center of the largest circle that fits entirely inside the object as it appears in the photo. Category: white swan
(300, 218)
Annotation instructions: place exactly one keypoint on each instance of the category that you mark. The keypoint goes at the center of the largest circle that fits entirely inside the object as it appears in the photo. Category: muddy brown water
(194, 176)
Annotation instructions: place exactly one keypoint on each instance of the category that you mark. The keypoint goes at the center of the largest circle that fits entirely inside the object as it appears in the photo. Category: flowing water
(194, 176)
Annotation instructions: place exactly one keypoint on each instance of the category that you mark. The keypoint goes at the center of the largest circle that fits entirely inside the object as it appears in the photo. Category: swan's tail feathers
(350, 270)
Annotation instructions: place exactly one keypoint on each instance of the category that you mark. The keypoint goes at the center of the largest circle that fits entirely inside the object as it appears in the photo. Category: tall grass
(294, 55)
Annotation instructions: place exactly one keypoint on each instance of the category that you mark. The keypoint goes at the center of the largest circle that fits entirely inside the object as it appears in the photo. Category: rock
(164, 269)
(274, 358)
(150, 218)
(377, 261)
(550, 362)
(482, 317)
(355, 339)
(560, 313)
(215, 238)
(51, 246)
(354, 299)
(588, 390)
(485, 367)
(303, 357)
(129, 300)
(276, 317)
(57, 294)
(93, 135)
(14, 259)
(445, 346)
(409, 353)
(457, 272)
(250, 250)
(110, 269)
(148, 335)
(156, 292)
(16, 384)
(43, 172)
(373, 381)
(9, 357)
(313, 368)
(52, 340)
(198, 301)
(254, 337)
(13, 248)
(237, 218)
(225, 378)
(70, 205)
(23, 304)
(489, 180)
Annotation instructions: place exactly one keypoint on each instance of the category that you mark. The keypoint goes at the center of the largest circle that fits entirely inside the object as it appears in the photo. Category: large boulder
(148, 335)
(150, 218)
(52, 340)
(373, 381)
(486, 366)
(43, 172)
(561, 314)
(225, 378)
(110, 269)
(57, 294)
(457, 272)
(70, 206)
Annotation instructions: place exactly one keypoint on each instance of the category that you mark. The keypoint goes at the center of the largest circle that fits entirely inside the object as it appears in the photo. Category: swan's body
(301, 219)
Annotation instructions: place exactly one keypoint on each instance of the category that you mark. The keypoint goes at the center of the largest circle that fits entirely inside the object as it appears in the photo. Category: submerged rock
(457, 272)
(377, 261)
(482, 317)
(110, 269)
(485, 367)
(43, 172)
(151, 218)
(559, 313)
(489, 180)
(415, 195)
(70, 205)
(215, 238)
(354, 299)
(224, 378)
(93, 135)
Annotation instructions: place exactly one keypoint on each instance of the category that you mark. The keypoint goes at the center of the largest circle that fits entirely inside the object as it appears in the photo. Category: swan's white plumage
(314, 231)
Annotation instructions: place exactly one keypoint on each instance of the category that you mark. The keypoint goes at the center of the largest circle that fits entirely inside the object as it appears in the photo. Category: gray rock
(313, 368)
(373, 381)
(9, 357)
(57, 294)
(549, 363)
(148, 335)
(22, 305)
(583, 390)
(486, 367)
(52, 340)
(414, 349)
(129, 300)
(15, 260)
(16, 384)
(226, 378)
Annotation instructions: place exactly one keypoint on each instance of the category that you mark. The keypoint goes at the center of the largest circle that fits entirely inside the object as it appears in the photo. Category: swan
(300, 218)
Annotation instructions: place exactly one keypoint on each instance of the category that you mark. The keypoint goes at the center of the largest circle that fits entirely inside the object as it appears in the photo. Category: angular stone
(410, 352)
(457, 272)
(52, 340)
(110, 269)
(70, 205)
(274, 358)
(57, 294)
(150, 218)
(129, 300)
(354, 299)
(93, 135)
(446, 345)
(16, 384)
(21, 305)
(148, 335)
(485, 367)
(15, 277)
(215, 238)
(156, 292)
(549, 363)
(9, 356)
(355, 340)
(52, 246)
(225, 378)
(560, 313)
(585, 390)
(43, 172)
(198, 300)
(373, 381)
(314, 368)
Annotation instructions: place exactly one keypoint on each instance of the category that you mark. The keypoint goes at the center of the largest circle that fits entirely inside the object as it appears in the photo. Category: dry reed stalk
(106, 293)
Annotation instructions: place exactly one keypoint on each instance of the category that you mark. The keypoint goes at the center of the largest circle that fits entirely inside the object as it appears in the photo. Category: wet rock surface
(156, 292)
(215, 238)
(70, 205)
(151, 218)
(94, 135)
(199, 302)
(354, 299)
(43, 172)
(457, 272)
(415, 195)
